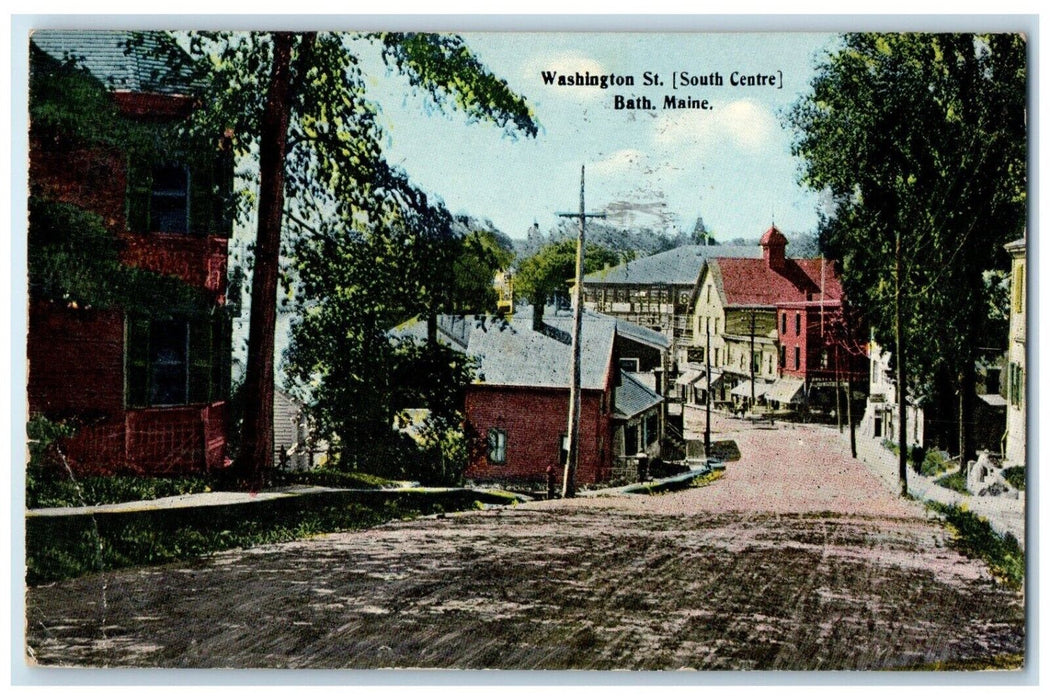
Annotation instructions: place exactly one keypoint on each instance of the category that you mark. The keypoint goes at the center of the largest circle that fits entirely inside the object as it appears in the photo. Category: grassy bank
(670, 486)
(60, 547)
(975, 537)
(60, 492)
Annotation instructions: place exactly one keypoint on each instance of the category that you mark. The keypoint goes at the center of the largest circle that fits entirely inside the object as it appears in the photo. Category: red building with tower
(778, 333)
(145, 393)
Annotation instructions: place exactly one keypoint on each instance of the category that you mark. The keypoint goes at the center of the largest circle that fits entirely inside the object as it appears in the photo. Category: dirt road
(798, 558)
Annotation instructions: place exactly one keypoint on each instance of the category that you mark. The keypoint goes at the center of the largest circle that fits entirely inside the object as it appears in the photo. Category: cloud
(627, 160)
(744, 124)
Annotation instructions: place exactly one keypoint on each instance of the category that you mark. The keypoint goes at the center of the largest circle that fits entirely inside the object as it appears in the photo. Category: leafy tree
(550, 272)
(481, 255)
(300, 102)
(920, 139)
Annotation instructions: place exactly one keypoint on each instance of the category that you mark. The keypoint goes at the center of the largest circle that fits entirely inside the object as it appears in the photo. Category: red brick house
(517, 408)
(146, 394)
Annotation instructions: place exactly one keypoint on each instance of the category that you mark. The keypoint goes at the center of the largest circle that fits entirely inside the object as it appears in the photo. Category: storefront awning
(744, 389)
(785, 390)
(714, 384)
(688, 377)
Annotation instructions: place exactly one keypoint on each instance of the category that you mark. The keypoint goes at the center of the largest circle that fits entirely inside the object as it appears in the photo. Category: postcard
(690, 352)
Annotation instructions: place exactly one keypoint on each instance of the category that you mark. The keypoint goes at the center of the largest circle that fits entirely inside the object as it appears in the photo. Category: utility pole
(898, 328)
(707, 422)
(838, 391)
(754, 314)
(572, 458)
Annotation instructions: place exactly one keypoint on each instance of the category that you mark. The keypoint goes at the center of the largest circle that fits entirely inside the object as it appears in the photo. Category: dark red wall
(93, 179)
(76, 361)
(198, 261)
(76, 357)
(535, 419)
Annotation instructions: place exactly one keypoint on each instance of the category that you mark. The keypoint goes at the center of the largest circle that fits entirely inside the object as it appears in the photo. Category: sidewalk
(1005, 515)
(224, 498)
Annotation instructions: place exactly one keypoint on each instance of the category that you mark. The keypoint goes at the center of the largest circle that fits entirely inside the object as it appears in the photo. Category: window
(175, 362)
(784, 322)
(497, 446)
(783, 354)
(708, 294)
(798, 323)
(798, 353)
(168, 354)
(652, 428)
(629, 364)
(630, 440)
(169, 207)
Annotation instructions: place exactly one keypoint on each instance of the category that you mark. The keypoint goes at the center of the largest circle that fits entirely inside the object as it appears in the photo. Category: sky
(730, 164)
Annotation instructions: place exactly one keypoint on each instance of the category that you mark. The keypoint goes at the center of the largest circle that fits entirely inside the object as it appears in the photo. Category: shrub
(58, 491)
(334, 478)
(935, 462)
(1015, 476)
(956, 481)
(45, 459)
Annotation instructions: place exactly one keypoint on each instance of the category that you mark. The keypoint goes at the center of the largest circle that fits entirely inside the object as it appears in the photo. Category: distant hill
(629, 242)
(640, 242)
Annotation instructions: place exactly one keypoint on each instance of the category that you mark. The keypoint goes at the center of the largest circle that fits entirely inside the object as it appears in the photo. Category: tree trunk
(967, 394)
(254, 463)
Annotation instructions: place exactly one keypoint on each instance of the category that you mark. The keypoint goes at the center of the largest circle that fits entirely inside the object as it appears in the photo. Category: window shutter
(220, 360)
(136, 353)
(200, 360)
(200, 198)
(139, 190)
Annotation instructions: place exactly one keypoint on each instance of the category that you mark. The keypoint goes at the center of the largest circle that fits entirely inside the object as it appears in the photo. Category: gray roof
(562, 320)
(105, 55)
(676, 266)
(511, 353)
(452, 329)
(641, 334)
(632, 397)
